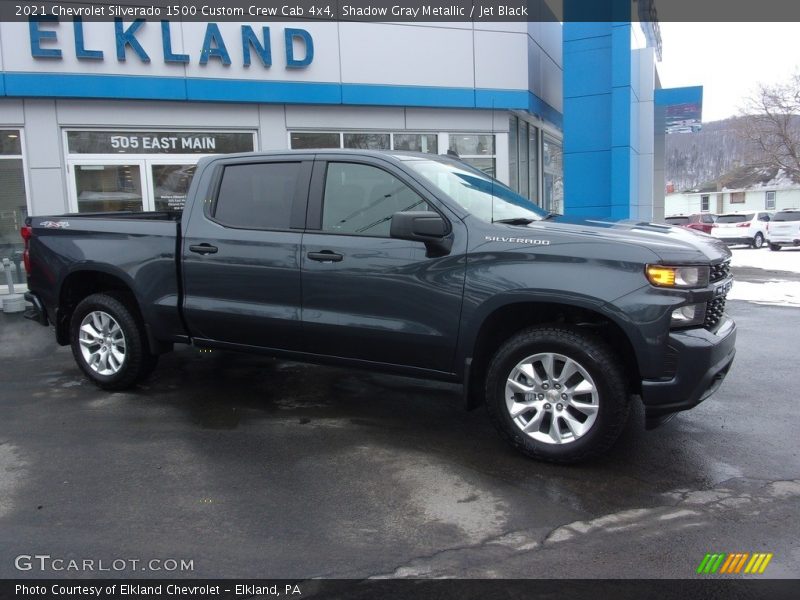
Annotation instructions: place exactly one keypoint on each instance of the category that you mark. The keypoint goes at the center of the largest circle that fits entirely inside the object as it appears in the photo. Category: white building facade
(762, 198)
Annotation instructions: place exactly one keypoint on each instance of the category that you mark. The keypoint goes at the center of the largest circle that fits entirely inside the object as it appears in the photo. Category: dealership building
(113, 115)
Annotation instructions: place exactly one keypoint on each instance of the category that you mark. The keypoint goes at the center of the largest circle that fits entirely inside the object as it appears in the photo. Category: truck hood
(672, 244)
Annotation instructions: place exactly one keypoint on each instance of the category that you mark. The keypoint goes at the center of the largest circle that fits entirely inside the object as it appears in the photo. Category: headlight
(689, 315)
(678, 277)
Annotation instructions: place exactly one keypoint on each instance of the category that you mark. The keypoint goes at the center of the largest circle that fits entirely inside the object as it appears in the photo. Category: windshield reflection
(480, 195)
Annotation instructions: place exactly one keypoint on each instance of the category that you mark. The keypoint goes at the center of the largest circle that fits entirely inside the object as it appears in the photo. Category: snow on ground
(777, 290)
(777, 293)
(787, 259)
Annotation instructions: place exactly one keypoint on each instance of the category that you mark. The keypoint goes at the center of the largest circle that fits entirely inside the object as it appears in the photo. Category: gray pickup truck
(406, 263)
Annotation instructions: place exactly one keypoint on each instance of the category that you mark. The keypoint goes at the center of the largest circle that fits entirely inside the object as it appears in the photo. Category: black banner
(478, 11)
(404, 589)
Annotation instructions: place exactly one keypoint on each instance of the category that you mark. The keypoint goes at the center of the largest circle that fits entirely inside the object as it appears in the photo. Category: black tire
(138, 361)
(775, 247)
(758, 241)
(598, 360)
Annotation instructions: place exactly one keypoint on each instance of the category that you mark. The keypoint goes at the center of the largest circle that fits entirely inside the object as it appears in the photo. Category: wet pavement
(253, 467)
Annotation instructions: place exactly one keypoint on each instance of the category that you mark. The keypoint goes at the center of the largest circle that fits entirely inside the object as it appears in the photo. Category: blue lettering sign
(39, 35)
(214, 46)
(80, 47)
(256, 46)
(250, 40)
(166, 42)
(127, 37)
(303, 36)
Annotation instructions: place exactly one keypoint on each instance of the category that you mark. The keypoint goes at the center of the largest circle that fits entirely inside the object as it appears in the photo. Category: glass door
(168, 182)
(107, 186)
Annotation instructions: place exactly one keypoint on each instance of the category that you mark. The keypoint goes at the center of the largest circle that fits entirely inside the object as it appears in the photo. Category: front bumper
(703, 360)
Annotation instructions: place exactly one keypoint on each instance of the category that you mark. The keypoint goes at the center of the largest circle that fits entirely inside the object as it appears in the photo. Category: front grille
(714, 311)
(720, 271)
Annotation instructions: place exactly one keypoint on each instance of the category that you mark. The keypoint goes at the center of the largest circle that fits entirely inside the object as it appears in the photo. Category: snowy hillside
(694, 158)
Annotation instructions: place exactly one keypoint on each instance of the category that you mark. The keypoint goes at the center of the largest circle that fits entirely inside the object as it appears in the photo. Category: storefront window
(523, 158)
(522, 136)
(308, 140)
(411, 142)
(367, 141)
(553, 167)
(513, 156)
(475, 149)
(13, 201)
(102, 188)
(416, 142)
(141, 170)
(533, 164)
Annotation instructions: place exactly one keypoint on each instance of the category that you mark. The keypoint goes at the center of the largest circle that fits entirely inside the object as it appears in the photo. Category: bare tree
(771, 122)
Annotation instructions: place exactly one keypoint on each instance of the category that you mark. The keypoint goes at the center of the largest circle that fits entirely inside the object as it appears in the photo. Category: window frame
(705, 202)
(299, 200)
(316, 196)
(767, 196)
(740, 198)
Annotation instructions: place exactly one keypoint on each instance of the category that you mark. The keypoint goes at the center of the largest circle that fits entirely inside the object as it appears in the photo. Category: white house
(745, 188)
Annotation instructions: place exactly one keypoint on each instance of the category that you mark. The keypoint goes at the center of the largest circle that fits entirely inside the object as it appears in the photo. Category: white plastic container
(13, 303)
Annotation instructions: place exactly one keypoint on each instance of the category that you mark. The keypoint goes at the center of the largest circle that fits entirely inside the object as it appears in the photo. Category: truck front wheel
(109, 343)
(557, 394)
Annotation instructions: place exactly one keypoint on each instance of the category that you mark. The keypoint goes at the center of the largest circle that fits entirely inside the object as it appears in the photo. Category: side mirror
(427, 227)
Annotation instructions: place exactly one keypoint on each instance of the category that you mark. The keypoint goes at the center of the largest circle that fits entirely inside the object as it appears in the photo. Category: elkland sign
(255, 44)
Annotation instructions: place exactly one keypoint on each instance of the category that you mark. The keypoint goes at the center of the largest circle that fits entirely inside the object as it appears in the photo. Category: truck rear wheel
(109, 343)
(557, 394)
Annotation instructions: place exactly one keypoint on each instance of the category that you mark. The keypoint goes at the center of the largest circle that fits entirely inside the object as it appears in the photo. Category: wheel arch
(498, 322)
(83, 282)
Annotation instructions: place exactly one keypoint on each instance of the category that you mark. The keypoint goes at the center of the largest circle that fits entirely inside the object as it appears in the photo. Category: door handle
(204, 249)
(325, 256)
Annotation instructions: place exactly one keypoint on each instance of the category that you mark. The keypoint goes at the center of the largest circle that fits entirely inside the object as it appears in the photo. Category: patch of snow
(787, 259)
(778, 293)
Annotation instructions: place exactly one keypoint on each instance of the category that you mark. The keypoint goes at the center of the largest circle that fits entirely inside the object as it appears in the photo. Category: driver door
(367, 296)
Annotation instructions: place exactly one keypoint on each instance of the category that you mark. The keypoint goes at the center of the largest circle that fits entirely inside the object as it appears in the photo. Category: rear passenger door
(368, 296)
(241, 252)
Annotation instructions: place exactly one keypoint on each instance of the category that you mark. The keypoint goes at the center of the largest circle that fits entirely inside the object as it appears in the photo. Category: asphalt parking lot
(251, 467)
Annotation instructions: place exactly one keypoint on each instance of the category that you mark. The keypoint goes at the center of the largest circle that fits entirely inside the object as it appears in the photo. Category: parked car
(743, 227)
(784, 229)
(404, 263)
(698, 222)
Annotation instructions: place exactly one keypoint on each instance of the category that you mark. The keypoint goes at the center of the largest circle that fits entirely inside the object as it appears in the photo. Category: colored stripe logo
(734, 563)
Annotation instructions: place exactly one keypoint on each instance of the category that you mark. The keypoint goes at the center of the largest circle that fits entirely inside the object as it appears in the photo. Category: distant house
(745, 188)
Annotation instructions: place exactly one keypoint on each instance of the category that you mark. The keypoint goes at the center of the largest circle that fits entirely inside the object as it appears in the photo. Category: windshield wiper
(515, 221)
(551, 215)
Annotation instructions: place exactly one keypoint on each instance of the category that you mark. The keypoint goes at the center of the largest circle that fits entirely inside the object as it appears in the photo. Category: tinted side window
(360, 199)
(763, 217)
(257, 196)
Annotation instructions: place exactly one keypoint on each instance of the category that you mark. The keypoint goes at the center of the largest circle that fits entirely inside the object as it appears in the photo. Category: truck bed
(140, 249)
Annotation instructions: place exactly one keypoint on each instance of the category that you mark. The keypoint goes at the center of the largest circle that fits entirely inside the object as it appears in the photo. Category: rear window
(677, 220)
(787, 216)
(735, 218)
(257, 196)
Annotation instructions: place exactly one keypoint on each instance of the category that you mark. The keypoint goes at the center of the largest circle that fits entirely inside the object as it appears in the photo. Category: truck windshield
(479, 194)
